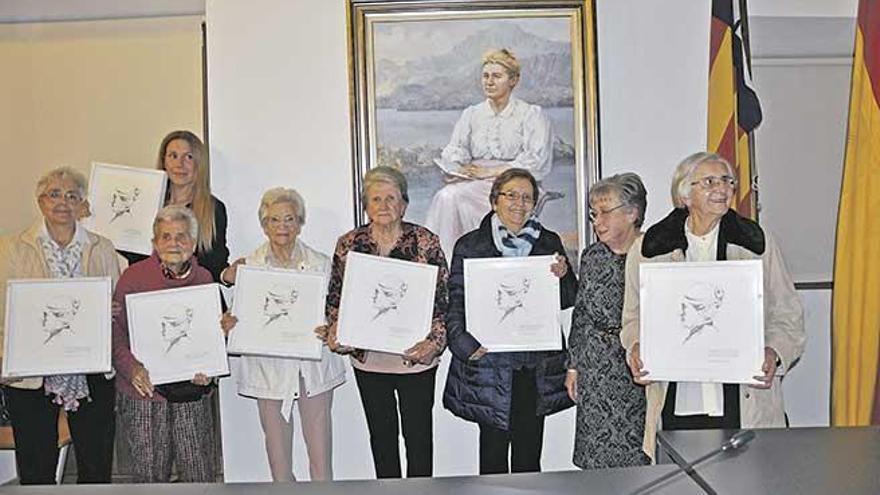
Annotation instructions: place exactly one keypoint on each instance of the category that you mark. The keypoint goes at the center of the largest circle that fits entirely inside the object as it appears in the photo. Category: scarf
(64, 262)
(519, 244)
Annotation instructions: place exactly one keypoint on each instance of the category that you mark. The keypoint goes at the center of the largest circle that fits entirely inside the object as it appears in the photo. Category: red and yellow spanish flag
(856, 299)
(734, 110)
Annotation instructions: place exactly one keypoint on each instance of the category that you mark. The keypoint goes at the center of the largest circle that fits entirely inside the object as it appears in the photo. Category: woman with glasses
(610, 407)
(277, 383)
(56, 246)
(508, 394)
(703, 227)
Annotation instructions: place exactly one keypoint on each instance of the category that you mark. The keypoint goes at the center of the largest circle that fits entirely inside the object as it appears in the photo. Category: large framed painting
(451, 93)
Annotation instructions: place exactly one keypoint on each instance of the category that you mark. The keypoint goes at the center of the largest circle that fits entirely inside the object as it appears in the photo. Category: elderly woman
(702, 227)
(507, 393)
(183, 156)
(172, 422)
(490, 137)
(57, 247)
(277, 382)
(381, 375)
(610, 407)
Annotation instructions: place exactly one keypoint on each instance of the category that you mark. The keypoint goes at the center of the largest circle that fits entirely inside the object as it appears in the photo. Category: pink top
(143, 276)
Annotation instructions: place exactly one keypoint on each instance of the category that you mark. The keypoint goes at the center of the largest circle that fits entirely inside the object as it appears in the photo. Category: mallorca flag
(856, 298)
(734, 110)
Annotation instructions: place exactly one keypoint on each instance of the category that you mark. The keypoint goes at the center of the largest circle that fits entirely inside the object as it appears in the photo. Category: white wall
(278, 110)
(803, 8)
(76, 92)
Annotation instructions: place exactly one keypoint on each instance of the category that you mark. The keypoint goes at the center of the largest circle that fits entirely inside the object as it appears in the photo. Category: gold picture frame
(415, 68)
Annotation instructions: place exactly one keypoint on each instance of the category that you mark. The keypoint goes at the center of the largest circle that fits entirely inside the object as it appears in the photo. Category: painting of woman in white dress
(498, 133)
(452, 99)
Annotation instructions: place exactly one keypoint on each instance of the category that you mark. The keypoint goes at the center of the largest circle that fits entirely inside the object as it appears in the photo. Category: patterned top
(611, 407)
(416, 244)
(63, 262)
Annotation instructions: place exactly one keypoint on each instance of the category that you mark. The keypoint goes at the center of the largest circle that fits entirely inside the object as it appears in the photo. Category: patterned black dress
(610, 407)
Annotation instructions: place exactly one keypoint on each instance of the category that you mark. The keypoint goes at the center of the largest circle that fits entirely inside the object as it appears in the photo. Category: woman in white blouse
(277, 382)
(490, 137)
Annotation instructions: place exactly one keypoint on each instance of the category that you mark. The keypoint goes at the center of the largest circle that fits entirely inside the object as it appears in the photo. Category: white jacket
(278, 378)
(783, 332)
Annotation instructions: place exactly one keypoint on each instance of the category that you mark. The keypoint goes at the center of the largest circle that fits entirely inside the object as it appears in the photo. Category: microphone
(737, 441)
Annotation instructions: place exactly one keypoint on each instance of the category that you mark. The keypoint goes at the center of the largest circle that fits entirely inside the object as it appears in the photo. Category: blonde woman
(497, 134)
(183, 156)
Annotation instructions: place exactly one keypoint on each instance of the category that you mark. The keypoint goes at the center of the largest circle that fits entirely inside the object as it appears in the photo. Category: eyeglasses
(595, 214)
(710, 181)
(277, 222)
(57, 194)
(516, 197)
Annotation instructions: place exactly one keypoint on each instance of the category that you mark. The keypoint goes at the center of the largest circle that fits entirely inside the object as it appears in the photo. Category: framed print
(57, 327)
(176, 333)
(423, 102)
(512, 304)
(702, 322)
(277, 312)
(387, 304)
(124, 201)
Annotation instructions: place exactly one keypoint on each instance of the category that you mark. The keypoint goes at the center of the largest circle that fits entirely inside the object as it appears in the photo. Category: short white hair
(177, 213)
(62, 173)
(681, 178)
(282, 195)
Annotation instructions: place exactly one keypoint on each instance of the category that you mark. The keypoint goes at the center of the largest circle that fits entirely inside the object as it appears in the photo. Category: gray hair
(282, 195)
(62, 173)
(681, 178)
(177, 213)
(630, 190)
(387, 175)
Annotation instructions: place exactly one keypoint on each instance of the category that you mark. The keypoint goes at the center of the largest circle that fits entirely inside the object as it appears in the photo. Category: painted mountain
(451, 80)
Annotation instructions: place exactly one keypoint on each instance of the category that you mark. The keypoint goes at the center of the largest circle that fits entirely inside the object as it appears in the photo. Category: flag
(855, 312)
(734, 110)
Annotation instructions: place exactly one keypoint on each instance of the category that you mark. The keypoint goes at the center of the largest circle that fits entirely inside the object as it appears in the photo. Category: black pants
(415, 397)
(525, 438)
(35, 429)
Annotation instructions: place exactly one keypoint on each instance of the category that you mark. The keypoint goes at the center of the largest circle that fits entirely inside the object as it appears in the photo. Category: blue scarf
(518, 244)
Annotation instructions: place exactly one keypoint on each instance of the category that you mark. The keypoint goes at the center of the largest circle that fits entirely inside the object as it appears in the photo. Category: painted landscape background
(427, 72)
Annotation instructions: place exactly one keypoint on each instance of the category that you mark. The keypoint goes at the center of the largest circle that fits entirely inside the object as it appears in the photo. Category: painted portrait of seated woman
(490, 137)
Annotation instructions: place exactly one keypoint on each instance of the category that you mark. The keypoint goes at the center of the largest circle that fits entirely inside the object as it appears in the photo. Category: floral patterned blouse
(416, 244)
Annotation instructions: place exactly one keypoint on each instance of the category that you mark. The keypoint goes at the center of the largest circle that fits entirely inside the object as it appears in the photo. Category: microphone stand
(733, 443)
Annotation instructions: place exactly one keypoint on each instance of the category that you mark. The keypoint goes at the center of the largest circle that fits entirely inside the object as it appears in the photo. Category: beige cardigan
(783, 332)
(22, 257)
